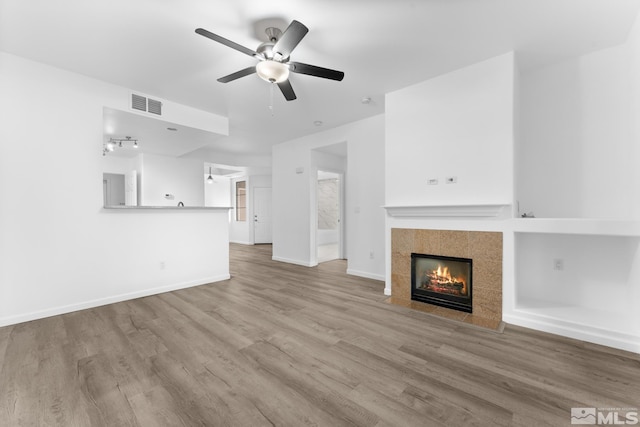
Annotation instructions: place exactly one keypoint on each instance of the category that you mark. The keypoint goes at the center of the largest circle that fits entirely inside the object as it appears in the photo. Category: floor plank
(285, 345)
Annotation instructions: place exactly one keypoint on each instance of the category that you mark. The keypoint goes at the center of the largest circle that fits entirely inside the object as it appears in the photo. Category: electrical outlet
(558, 264)
(451, 179)
(371, 254)
(162, 265)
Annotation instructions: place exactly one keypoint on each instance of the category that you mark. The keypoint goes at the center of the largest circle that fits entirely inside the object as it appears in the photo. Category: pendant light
(210, 178)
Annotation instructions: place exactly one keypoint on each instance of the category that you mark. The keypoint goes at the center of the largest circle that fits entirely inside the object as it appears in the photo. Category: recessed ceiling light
(366, 100)
(172, 129)
(318, 123)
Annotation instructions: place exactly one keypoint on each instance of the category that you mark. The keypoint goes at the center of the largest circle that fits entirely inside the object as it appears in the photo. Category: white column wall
(294, 180)
(456, 125)
(460, 124)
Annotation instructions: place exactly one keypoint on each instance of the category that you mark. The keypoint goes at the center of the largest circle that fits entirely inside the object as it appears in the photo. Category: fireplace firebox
(441, 280)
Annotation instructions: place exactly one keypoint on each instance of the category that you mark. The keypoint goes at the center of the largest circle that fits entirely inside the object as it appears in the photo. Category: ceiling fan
(274, 64)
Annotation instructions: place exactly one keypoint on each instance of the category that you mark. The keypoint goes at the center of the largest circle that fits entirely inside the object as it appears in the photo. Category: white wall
(181, 178)
(365, 189)
(634, 52)
(576, 159)
(292, 202)
(217, 193)
(294, 196)
(59, 249)
(121, 165)
(458, 124)
(578, 155)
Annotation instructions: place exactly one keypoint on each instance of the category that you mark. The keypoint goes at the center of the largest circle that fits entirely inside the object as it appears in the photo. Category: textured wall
(328, 204)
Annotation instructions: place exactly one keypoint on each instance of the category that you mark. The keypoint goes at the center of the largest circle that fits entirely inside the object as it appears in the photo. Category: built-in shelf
(481, 211)
(590, 295)
(205, 208)
(584, 226)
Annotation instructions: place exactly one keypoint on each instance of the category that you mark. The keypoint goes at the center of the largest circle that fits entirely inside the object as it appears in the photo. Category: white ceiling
(382, 45)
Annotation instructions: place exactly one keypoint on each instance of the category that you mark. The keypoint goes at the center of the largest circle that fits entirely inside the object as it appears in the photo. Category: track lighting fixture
(117, 142)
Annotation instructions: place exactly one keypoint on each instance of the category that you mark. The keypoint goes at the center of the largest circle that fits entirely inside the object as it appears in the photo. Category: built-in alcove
(580, 285)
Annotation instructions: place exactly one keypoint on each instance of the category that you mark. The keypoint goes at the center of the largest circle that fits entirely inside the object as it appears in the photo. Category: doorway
(113, 189)
(262, 215)
(329, 213)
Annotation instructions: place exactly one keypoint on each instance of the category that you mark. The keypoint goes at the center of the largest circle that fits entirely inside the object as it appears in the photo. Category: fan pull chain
(271, 97)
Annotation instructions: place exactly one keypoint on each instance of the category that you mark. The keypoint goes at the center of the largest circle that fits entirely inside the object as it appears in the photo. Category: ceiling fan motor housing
(266, 50)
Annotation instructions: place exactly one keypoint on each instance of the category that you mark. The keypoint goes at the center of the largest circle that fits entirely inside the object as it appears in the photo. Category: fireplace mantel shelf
(480, 211)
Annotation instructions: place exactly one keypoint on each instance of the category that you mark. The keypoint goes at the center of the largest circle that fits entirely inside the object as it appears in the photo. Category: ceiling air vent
(138, 102)
(141, 103)
(155, 107)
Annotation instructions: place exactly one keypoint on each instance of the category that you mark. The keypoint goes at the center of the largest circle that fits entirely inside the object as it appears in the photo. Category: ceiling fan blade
(312, 70)
(290, 39)
(227, 42)
(287, 90)
(233, 76)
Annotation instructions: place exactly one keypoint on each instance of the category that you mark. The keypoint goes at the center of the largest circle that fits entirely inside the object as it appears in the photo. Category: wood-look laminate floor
(285, 345)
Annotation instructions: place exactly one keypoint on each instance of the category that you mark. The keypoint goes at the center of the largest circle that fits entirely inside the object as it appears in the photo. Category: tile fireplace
(478, 251)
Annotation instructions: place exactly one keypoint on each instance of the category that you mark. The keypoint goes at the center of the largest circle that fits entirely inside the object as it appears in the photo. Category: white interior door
(262, 215)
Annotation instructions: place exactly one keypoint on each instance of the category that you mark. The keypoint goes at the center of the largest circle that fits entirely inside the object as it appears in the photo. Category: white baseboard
(293, 261)
(366, 274)
(40, 314)
(241, 242)
(577, 331)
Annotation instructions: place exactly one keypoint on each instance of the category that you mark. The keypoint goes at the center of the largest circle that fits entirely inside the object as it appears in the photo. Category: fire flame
(444, 275)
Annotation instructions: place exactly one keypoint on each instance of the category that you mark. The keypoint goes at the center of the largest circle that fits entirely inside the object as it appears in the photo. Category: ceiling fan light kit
(272, 71)
(274, 65)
